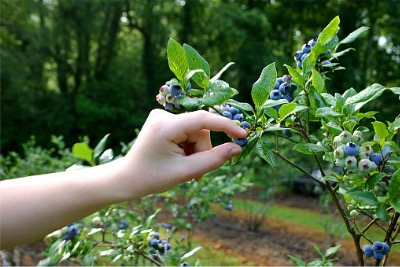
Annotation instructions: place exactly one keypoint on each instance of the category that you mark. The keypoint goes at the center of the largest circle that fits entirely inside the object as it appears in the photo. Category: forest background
(90, 67)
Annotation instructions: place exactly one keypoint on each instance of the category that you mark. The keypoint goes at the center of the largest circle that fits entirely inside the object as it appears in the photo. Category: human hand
(172, 149)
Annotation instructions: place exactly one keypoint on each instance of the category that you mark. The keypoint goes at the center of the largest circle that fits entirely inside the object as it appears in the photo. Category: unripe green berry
(339, 152)
(336, 141)
(358, 137)
(350, 207)
(354, 213)
(345, 137)
(351, 162)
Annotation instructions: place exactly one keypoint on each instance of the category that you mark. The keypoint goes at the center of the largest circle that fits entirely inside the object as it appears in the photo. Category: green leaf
(309, 149)
(297, 261)
(264, 150)
(382, 213)
(286, 109)
(217, 92)
(272, 103)
(395, 125)
(83, 151)
(381, 130)
(196, 61)
(327, 112)
(189, 102)
(368, 94)
(329, 31)
(318, 82)
(332, 251)
(98, 150)
(371, 181)
(106, 156)
(296, 77)
(354, 35)
(394, 191)
(150, 219)
(395, 90)
(264, 85)
(191, 253)
(364, 197)
(240, 105)
(219, 74)
(177, 59)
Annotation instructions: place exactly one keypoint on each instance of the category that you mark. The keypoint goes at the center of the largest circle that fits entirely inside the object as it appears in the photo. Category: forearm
(34, 206)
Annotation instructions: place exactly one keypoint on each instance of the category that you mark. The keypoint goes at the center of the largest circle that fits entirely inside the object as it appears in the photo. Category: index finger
(198, 120)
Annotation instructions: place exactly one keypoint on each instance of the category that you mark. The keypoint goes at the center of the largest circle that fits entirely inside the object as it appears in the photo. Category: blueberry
(351, 162)
(228, 207)
(351, 149)
(285, 88)
(378, 246)
(68, 236)
(156, 235)
(279, 80)
(227, 114)
(185, 264)
(288, 133)
(168, 106)
(175, 90)
(164, 90)
(245, 125)
(288, 97)
(368, 250)
(303, 56)
(189, 86)
(298, 55)
(241, 141)
(239, 117)
(306, 48)
(386, 248)
(378, 255)
(275, 95)
(160, 99)
(233, 111)
(73, 229)
(286, 78)
(312, 42)
(366, 165)
(123, 225)
(277, 107)
(299, 65)
(154, 243)
(276, 86)
(167, 225)
(376, 158)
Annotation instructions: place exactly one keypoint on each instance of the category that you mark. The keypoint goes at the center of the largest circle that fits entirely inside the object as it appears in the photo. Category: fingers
(197, 164)
(198, 120)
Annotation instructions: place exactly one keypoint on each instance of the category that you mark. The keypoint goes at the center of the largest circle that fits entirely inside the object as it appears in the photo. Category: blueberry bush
(330, 128)
(363, 150)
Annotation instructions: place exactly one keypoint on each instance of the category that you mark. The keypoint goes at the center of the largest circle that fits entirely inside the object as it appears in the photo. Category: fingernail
(235, 151)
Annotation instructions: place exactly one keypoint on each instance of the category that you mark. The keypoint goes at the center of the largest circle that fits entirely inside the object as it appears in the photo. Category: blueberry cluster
(233, 114)
(72, 231)
(305, 50)
(158, 245)
(355, 157)
(377, 250)
(168, 96)
(283, 89)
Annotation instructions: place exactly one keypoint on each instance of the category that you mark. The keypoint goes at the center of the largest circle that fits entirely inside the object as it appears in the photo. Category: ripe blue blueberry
(154, 243)
(245, 125)
(241, 141)
(378, 255)
(288, 133)
(156, 235)
(227, 114)
(299, 64)
(175, 90)
(275, 95)
(238, 117)
(168, 106)
(376, 158)
(285, 88)
(368, 250)
(312, 42)
(386, 248)
(167, 225)
(233, 111)
(298, 55)
(351, 149)
(123, 225)
(378, 246)
(304, 56)
(306, 48)
(286, 78)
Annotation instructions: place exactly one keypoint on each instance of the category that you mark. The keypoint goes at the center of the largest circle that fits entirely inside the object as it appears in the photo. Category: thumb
(200, 163)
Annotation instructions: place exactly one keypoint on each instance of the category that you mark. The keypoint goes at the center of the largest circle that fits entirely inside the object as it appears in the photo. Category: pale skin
(170, 150)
